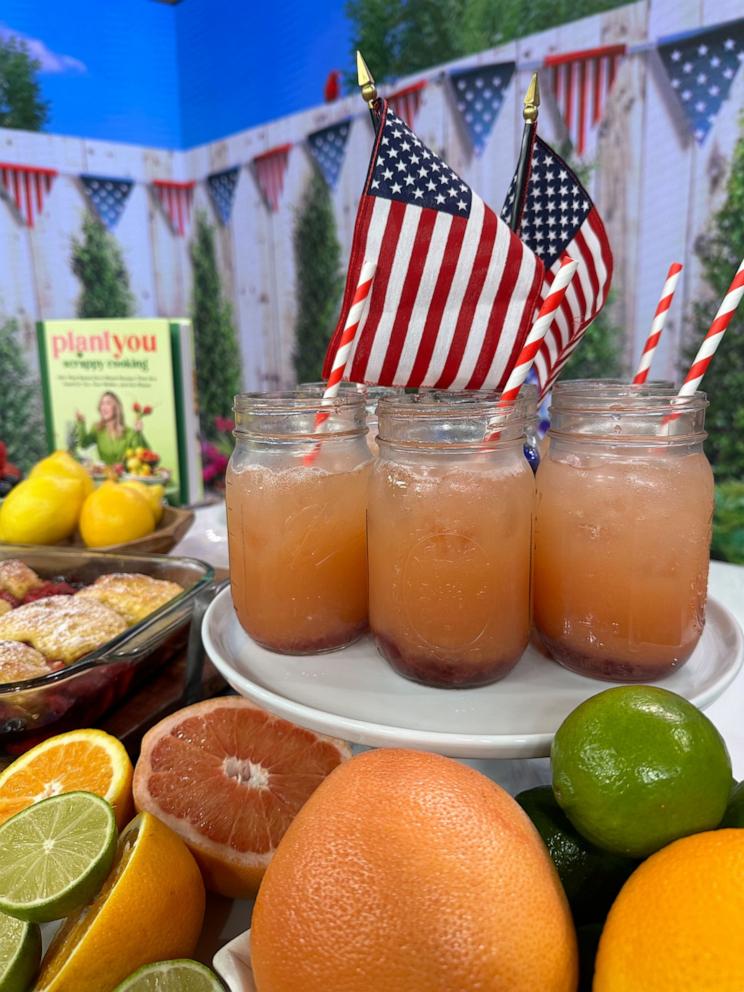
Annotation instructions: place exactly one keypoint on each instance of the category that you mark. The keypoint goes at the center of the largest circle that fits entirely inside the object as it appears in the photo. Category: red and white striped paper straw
(356, 312)
(539, 329)
(712, 339)
(657, 326)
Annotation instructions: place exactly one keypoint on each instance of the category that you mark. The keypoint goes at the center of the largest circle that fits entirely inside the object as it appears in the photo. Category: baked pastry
(5, 606)
(17, 578)
(18, 661)
(62, 628)
(132, 595)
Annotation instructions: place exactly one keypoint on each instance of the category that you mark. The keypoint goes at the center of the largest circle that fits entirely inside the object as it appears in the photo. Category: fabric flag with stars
(479, 94)
(221, 186)
(107, 197)
(558, 216)
(455, 290)
(328, 147)
(701, 66)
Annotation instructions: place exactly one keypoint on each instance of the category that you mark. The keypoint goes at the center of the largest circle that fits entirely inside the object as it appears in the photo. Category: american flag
(558, 216)
(455, 290)
(701, 66)
(581, 82)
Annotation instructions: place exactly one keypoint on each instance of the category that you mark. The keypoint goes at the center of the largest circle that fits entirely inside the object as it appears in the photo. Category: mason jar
(449, 531)
(296, 502)
(622, 532)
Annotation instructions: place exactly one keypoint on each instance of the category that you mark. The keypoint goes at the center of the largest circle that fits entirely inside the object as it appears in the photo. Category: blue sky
(176, 76)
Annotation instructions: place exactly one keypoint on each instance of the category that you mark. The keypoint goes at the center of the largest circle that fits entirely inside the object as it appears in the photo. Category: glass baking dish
(79, 694)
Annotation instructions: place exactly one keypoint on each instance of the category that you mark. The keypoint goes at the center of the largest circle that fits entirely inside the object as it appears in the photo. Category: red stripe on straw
(657, 325)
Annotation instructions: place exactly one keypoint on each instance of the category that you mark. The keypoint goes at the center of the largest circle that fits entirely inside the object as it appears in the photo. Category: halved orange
(229, 778)
(78, 761)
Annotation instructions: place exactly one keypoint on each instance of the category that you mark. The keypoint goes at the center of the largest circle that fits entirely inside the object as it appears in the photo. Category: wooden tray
(172, 528)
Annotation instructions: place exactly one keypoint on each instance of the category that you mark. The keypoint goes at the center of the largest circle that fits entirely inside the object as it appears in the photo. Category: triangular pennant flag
(701, 66)
(175, 199)
(221, 186)
(269, 169)
(327, 147)
(580, 83)
(479, 93)
(107, 197)
(405, 102)
(26, 186)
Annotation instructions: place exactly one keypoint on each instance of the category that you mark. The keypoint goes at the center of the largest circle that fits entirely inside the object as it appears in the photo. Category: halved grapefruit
(229, 778)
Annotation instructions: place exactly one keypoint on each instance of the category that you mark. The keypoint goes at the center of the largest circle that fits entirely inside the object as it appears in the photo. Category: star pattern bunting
(221, 186)
(107, 197)
(328, 147)
(479, 94)
(701, 66)
(454, 291)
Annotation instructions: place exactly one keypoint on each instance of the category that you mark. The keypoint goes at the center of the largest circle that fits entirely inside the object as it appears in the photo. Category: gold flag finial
(366, 82)
(531, 100)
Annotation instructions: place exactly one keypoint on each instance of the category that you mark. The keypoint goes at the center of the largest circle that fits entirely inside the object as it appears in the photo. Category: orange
(79, 761)
(150, 908)
(410, 872)
(677, 924)
(229, 778)
(115, 514)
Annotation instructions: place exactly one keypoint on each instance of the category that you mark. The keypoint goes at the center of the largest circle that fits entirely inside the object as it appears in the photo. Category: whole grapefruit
(409, 872)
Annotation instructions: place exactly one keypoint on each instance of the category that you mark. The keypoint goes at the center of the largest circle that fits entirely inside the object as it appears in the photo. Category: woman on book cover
(111, 435)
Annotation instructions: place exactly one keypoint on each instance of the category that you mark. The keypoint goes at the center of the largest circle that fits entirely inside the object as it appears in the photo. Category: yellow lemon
(61, 463)
(113, 514)
(154, 495)
(150, 908)
(42, 510)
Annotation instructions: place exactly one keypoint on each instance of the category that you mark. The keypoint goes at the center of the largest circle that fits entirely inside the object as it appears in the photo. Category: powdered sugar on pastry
(17, 578)
(62, 628)
(18, 661)
(132, 595)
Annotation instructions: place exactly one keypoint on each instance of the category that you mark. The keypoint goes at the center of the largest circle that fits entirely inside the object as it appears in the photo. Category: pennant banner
(328, 148)
(269, 169)
(701, 66)
(479, 94)
(175, 199)
(221, 186)
(107, 197)
(405, 103)
(580, 83)
(26, 186)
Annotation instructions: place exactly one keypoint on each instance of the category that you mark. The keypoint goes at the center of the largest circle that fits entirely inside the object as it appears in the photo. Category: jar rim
(454, 405)
(659, 404)
(306, 400)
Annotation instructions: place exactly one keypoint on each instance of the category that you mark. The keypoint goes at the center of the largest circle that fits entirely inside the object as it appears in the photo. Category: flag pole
(530, 109)
(367, 86)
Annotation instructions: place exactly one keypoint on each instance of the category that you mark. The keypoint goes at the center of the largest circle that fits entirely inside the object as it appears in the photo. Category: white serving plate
(355, 695)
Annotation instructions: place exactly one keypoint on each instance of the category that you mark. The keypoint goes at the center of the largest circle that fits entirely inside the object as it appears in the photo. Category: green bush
(99, 265)
(728, 522)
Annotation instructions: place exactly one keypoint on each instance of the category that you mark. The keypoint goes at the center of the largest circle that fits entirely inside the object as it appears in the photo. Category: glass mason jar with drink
(449, 533)
(622, 530)
(296, 503)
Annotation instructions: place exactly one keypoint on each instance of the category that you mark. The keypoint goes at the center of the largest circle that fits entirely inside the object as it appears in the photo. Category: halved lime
(20, 953)
(172, 976)
(55, 855)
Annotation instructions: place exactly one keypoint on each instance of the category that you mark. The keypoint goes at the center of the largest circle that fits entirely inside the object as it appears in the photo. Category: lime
(55, 855)
(20, 953)
(734, 815)
(172, 976)
(591, 877)
(636, 767)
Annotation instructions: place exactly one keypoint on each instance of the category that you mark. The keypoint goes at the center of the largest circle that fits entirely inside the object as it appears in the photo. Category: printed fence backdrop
(654, 182)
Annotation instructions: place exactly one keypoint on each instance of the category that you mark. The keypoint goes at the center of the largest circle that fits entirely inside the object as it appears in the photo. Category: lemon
(150, 908)
(113, 514)
(154, 495)
(62, 464)
(41, 510)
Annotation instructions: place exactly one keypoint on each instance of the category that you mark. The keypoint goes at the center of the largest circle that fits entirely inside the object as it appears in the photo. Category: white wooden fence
(655, 188)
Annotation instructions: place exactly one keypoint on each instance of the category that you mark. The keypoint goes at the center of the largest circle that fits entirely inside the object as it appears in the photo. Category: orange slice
(78, 761)
(229, 778)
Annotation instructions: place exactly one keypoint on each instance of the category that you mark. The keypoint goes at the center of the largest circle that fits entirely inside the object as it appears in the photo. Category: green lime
(55, 856)
(636, 767)
(172, 976)
(20, 953)
(734, 815)
(591, 877)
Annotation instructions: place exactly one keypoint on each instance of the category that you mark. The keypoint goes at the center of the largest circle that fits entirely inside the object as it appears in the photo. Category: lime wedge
(172, 976)
(55, 855)
(20, 953)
